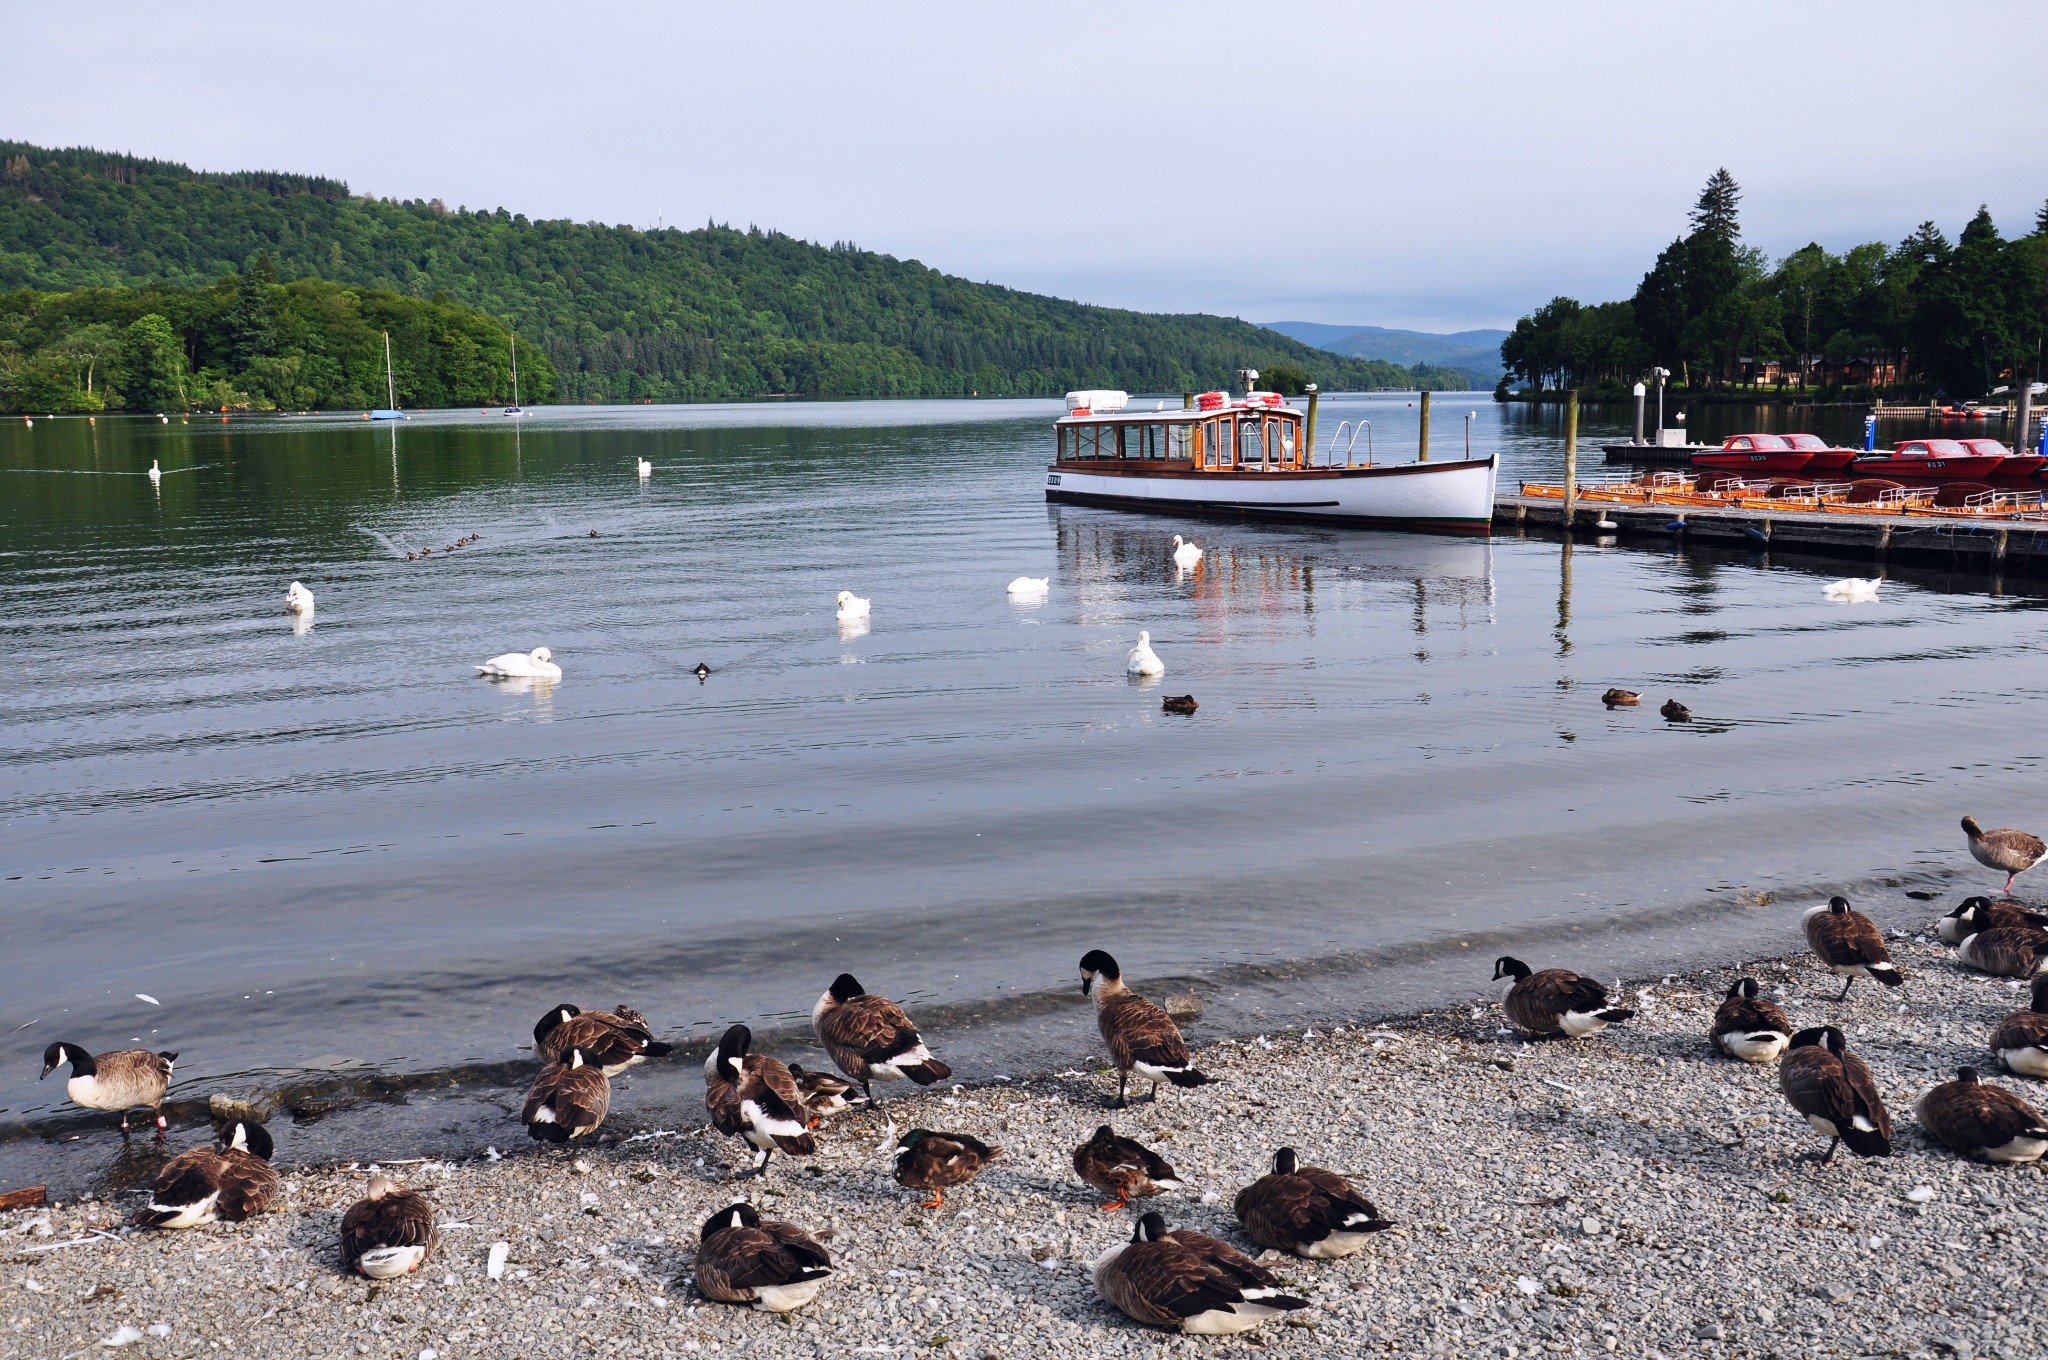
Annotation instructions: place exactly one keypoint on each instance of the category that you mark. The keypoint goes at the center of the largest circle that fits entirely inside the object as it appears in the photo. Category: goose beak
(48, 1068)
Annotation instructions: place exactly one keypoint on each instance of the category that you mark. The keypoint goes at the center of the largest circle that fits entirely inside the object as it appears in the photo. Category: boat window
(1140, 441)
(1740, 442)
(1251, 443)
(1180, 441)
(1771, 441)
(1284, 431)
(1091, 441)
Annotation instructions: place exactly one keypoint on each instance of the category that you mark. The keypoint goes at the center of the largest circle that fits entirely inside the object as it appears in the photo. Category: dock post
(2023, 421)
(1308, 433)
(1423, 455)
(1571, 458)
(1640, 391)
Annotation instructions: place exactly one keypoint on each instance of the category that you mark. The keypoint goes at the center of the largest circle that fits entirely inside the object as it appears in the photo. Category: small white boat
(512, 345)
(390, 412)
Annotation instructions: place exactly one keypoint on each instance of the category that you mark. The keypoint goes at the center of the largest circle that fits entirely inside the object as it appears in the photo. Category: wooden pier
(1995, 547)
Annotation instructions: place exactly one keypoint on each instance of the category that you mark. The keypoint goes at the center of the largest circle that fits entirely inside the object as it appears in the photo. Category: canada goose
(615, 1040)
(2002, 951)
(1143, 660)
(1555, 1001)
(567, 1100)
(205, 1185)
(1030, 587)
(928, 1160)
(851, 606)
(127, 1079)
(1985, 1123)
(2010, 852)
(1185, 554)
(1122, 1167)
(1850, 945)
(754, 1097)
(1748, 1027)
(298, 599)
(824, 1094)
(871, 1039)
(743, 1258)
(1674, 711)
(2021, 1039)
(388, 1232)
(1189, 1281)
(1621, 698)
(1307, 1211)
(1853, 589)
(1179, 703)
(1142, 1038)
(1962, 921)
(701, 670)
(1832, 1089)
(534, 665)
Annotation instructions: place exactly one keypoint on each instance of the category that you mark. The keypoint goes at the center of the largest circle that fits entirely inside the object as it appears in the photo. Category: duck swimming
(851, 607)
(534, 665)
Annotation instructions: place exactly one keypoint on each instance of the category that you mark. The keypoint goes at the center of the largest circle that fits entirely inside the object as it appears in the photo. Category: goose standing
(646, 469)
(1555, 1001)
(1307, 1211)
(1142, 1038)
(1748, 1027)
(851, 607)
(1850, 944)
(209, 1185)
(1143, 660)
(569, 1099)
(754, 1097)
(2010, 852)
(298, 599)
(1960, 922)
(870, 1038)
(1185, 555)
(1832, 1089)
(928, 1160)
(1189, 1281)
(388, 1232)
(743, 1258)
(1984, 1123)
(2021, 1039)
(537, 664)
(2003, 951)
(1122, 1167)
(1030, 587)
(124, 1080)
(615, 1040)
(1853, 589)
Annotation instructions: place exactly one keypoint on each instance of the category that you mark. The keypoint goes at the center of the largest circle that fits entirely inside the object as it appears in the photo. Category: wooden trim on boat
(1103, 467)
(1302, 512)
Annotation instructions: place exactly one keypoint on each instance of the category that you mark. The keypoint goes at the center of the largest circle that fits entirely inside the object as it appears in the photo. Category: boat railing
(1330, 457)
(1901, 498)
(2003, 500)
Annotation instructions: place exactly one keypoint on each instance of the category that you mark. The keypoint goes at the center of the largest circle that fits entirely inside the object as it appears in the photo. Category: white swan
(1030, 586)
(298, 599)
(646, 469)
(851, 606)
(1143, 660)
(1852, 589)
(156, 474)
(1185, 554)
(533, 665)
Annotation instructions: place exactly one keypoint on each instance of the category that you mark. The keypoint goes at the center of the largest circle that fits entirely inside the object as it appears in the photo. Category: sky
(1436, 166)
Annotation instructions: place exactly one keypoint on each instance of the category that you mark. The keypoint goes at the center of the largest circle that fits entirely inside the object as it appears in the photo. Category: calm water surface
(349, 870)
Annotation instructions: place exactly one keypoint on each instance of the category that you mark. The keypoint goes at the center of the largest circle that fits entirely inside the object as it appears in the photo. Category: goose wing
(401, 1219)
(771, 1104)
(247, 1185)
(867, 1031)
(1138, 1031)
(1169, 1279)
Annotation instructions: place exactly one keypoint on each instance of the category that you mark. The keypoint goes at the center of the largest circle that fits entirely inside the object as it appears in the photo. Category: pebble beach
(1630, 1194)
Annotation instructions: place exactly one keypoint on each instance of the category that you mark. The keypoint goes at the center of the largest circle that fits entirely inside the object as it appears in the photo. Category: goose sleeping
(871, 1039)
(743, 1258)
(1030, 587)
(1185, 554)
(2021, 1039)
(1850, 944)
(615, 1040)
(1963, 921)
(1748, 1027)
(214, 1185)
(1307, 1211)
(1142, 1038)
(754, 1097)
(298, 599)
(569, 1099)
(1832, 1089)
(1143, 660)
(126, 1079)
(1555, 1001)
(1853, 589)
(1122, 1167)
(534, 665)
(1984, 1123)
(851, 607)
(1189, 1281)
(2003, 951)
(388, 1232)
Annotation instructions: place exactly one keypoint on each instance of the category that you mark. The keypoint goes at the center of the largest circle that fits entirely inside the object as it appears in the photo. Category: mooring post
(1423, 455)
(1571, 457)
(1640, 392)
(2023, 422)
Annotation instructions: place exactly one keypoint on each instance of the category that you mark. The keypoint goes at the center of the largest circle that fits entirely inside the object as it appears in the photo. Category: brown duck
(1832, 1089)
(2010, 852)
(1674, 711)
(1748, 1027)
(1307, 1211)
(1621, 698)
(1850, 944)
(1142, 1038)
(1555, 1001)
(388, 1232)
(2021, 1039)
(937, 1162)
(1122, 1168)
(1189, 1281)
(743, 1258)
(614, 1040)
(569, 1099)
(1179, 703)
(871, 1039)
(226, 1184)
(1984, 1123)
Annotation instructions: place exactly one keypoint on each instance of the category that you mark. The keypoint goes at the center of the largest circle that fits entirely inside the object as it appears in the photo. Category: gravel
(1630, 1194)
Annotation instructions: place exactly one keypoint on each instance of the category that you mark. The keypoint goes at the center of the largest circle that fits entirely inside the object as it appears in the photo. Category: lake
(348, 870)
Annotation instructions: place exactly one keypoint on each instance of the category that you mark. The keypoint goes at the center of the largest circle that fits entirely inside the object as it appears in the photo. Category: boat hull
(1775, 462)
(1949, 469)
(1453, 497)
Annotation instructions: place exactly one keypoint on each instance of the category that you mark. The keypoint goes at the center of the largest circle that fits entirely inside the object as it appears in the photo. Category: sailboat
(512, 344)
(390, 412)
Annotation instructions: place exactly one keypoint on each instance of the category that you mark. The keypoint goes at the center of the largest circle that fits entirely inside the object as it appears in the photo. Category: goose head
(1838, 906)
(1506, 967)
(56, 1056)
(380, 1187)
(1821, 1036)
(554, 1020)
(1097, 963)
(845, 988)
(1150, 1228)
(1745, 989)
(738, 1215)
(733, 1046)
(1144, 638)
(246, 1135)
(1284, 1162)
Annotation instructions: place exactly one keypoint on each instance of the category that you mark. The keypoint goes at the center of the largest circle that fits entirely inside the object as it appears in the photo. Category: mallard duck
(1185, 554)
(851, 606)
(126, 1079)
(1832, 1089)
(1307, 1211)
(1984, 1123)
(1142, 1038)
(2010, 852)
(2021, 1039)
(1179, 703)
(1674, 711)
(214, 1185)
(743, 1258)
(870, 1039)
(1189, 1281)
(389, 1231)
(569, 1099)
(615, 1040)
(1555, 1001)
(1748, 1027)
(824, 1094)
(537, 664)
(753, 1096)
(1122, 1167)
(1621, 698)
(1143, 660)
(1850, 945)
(1962, 921)
(927, 1160)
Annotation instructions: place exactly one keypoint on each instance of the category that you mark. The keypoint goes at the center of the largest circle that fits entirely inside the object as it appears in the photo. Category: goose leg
(1123, 1080)
(867, 1091)
(761, 1163)
(2008, 884)
(1847, 983)
(1833, 1143)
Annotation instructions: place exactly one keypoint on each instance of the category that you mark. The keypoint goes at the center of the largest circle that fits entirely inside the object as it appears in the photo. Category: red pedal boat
(2011, 466)
(1943, 459)
(1755, 453)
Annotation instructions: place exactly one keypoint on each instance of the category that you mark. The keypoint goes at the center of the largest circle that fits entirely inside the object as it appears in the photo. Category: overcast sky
(1424, 164)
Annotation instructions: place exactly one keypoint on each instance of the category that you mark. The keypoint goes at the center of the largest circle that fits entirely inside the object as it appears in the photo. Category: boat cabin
(1257, 432)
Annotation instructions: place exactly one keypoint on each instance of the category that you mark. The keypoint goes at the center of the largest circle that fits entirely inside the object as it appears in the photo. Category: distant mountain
(1474, 352)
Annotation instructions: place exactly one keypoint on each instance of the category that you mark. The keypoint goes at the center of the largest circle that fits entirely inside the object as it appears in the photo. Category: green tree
(1714, 212)
(153, 372)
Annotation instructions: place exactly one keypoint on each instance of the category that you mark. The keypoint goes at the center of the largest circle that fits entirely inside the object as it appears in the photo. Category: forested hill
(627, 314)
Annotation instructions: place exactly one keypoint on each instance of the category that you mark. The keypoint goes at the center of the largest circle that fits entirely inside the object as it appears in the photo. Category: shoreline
(1629, 1194)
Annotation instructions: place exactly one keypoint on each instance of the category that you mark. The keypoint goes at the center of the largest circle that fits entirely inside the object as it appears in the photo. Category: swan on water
(533, 665)
(298, 599)
(851, 606)
(156, 474)
(1185, 554)
(1853, 589)
(646, 468)
(1143, 660)
(1030, 586)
